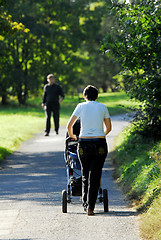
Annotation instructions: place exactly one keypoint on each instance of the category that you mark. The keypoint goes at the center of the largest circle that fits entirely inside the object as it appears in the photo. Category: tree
(8, 28)
(56, 29)
(136, 43)
(64, 39)
(98, 69)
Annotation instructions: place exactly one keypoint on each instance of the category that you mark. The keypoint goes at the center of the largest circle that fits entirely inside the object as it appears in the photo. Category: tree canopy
(136, 43)
(60, 37)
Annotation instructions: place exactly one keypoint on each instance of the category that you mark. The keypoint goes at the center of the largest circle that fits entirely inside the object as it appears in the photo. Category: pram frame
(70, 169)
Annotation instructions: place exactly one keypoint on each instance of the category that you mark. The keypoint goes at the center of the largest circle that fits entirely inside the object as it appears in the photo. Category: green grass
(138, 169)
(17, 127)
(20, 123)
(117, 103)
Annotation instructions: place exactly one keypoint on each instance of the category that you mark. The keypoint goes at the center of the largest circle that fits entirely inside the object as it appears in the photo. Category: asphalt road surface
(31, 182)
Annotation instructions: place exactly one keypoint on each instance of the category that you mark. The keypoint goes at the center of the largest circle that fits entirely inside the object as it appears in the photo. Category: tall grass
(151, 221)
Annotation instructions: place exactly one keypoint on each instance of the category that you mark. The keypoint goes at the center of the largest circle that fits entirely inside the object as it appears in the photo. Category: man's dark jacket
(51, 94)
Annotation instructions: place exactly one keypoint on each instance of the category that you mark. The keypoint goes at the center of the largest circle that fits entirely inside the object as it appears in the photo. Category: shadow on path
(36, 177)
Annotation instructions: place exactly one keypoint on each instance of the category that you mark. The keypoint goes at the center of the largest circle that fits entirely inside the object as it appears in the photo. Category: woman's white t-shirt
(92, 115)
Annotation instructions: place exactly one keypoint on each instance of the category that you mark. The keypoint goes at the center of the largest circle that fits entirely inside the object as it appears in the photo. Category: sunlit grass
(16, 128)
(118, 102)
(151, 221)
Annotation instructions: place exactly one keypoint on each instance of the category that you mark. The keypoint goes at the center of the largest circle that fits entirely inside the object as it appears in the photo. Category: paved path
(31, 182)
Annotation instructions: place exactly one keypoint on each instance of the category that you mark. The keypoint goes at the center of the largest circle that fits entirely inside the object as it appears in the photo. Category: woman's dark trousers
(92, 156)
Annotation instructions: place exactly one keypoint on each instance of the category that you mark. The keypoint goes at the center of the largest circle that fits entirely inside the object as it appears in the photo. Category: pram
(74, 178)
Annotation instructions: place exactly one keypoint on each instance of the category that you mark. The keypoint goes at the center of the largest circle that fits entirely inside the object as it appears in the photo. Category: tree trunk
(20, 96)
(4, 99)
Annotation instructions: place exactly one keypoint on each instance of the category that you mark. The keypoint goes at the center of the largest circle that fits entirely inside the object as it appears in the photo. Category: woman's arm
(70, 124)
(108, 125)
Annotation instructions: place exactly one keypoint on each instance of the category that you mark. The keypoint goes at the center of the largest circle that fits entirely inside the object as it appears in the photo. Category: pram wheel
(100, 197)
(105, 200)
(64, 201)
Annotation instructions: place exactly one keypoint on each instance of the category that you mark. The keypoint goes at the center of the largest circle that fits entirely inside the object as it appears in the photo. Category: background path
(31, 182)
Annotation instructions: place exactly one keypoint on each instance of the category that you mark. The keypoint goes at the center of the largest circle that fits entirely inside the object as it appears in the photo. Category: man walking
(51, 103)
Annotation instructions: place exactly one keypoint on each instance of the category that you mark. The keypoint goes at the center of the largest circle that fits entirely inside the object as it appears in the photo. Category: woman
(92, 146)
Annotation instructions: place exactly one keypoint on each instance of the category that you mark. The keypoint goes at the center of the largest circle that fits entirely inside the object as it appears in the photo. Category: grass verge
(151, 221)
(138, 170)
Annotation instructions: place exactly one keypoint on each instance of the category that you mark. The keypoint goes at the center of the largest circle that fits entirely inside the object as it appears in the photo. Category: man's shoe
(90, 212)
(46, 134)
(56, 132)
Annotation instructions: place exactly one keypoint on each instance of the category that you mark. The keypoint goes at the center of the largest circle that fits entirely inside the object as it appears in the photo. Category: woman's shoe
(90, 212)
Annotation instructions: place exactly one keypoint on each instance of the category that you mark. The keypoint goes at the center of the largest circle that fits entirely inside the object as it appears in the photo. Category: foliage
(7, 25)
(9, 30)
(99, 69)
(136, 43)
(64, 39)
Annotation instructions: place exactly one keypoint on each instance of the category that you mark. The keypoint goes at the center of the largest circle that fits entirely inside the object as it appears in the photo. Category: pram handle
(70, 141)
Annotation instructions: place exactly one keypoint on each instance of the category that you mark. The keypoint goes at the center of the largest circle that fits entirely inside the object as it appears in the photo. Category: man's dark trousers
(55, 111)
